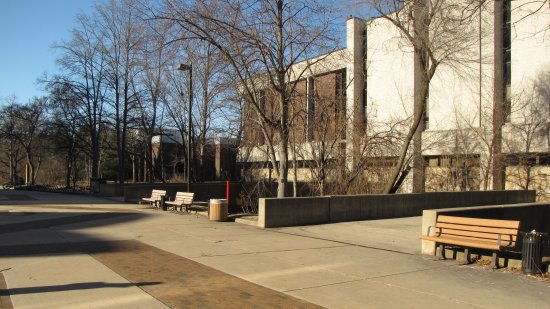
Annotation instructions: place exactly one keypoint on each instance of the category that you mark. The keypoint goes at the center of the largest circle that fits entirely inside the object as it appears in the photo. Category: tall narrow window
(261, 103)
(340, 106)
(364, 94)
(310, 89)
(427, 112)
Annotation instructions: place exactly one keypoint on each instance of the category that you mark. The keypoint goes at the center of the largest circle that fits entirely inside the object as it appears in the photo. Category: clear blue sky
(28, 28)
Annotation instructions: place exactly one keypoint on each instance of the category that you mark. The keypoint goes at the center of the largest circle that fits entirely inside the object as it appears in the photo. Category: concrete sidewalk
(368, 264)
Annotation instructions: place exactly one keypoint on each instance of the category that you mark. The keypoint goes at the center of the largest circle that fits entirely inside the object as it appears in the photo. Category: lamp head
(184, 67)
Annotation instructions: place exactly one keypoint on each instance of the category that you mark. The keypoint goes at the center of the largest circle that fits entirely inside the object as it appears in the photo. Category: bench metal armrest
(437, 228)
(499, 240)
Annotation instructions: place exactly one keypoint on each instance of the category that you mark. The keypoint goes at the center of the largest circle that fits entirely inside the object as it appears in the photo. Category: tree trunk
(30, 169)
(422, 77)
(421, 92)
(68, 172)
(95, 155)
(12, 167)
(419, 109)
(36, 169)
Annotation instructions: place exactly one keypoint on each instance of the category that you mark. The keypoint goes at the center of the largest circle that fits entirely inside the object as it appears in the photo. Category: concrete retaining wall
(109, 189)
(319, 210)
(532, 216)
(275, 212)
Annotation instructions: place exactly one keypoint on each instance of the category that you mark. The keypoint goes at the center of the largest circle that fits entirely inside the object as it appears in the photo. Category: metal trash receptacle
(218, 210)
(531, 253)
(162, 203)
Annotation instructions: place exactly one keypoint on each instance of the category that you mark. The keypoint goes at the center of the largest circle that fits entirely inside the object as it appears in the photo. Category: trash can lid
(533, 235)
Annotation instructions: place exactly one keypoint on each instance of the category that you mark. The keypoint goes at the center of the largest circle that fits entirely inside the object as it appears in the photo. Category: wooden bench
(182, 199)
(488, 234)
(155, 197)
(186, 199)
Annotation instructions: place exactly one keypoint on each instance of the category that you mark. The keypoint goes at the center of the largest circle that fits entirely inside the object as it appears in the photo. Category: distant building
(169, 152)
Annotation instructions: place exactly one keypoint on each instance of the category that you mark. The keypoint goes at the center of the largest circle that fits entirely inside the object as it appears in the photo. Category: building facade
(354, 105)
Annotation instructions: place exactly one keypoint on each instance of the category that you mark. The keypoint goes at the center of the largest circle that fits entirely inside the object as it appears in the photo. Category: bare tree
(12, 153)
(263, 41)
(65, 124)
(155, 59)
(210, 70)
(83, 67)
(26, 125)
(121, 35)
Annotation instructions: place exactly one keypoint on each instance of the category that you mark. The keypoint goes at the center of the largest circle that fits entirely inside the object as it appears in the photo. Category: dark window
(340, 105)
(261, 102)
(310, 89)
(364, 93)
(427, 111)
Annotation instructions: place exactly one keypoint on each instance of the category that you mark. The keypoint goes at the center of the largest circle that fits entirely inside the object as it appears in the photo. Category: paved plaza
(73, 251)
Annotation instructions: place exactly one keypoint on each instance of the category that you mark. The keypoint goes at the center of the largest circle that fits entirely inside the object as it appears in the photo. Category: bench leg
(466, 259)
(494, 260)
(441, 252)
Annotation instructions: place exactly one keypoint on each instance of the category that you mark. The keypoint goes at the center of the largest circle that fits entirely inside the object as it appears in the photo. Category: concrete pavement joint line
(458, 301)
(345, 243)
(274, 251)
(364, 279)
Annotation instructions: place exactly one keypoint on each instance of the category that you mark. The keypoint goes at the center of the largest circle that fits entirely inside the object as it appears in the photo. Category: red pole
(227, 191)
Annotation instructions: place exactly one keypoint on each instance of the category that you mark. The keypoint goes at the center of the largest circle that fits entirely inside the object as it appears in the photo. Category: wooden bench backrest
(156, 194)
(480, 229)
(184, 197)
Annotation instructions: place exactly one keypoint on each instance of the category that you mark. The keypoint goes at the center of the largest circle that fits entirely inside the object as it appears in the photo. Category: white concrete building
(377, 67)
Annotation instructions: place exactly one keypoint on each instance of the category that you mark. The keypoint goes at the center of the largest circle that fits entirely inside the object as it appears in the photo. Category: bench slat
(481, 235)
(505, 241)
(465, 242)
(479, 222)
(493, 230)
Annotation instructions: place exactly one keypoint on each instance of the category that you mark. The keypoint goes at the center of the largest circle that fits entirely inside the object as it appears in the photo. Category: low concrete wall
(304, 211)
(384, 206)
(275, 212)
(532, 216)
(110, 189)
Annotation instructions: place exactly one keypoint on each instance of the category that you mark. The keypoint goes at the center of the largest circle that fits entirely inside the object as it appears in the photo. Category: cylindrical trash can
(531, 258)
(218, 210)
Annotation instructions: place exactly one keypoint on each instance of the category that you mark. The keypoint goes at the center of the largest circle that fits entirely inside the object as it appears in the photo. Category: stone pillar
(355, 78)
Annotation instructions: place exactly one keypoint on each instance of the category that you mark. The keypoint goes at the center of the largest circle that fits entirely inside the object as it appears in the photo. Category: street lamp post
(188, 67)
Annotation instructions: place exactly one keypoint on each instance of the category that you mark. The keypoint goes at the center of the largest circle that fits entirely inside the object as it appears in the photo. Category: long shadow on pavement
(70, 287)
